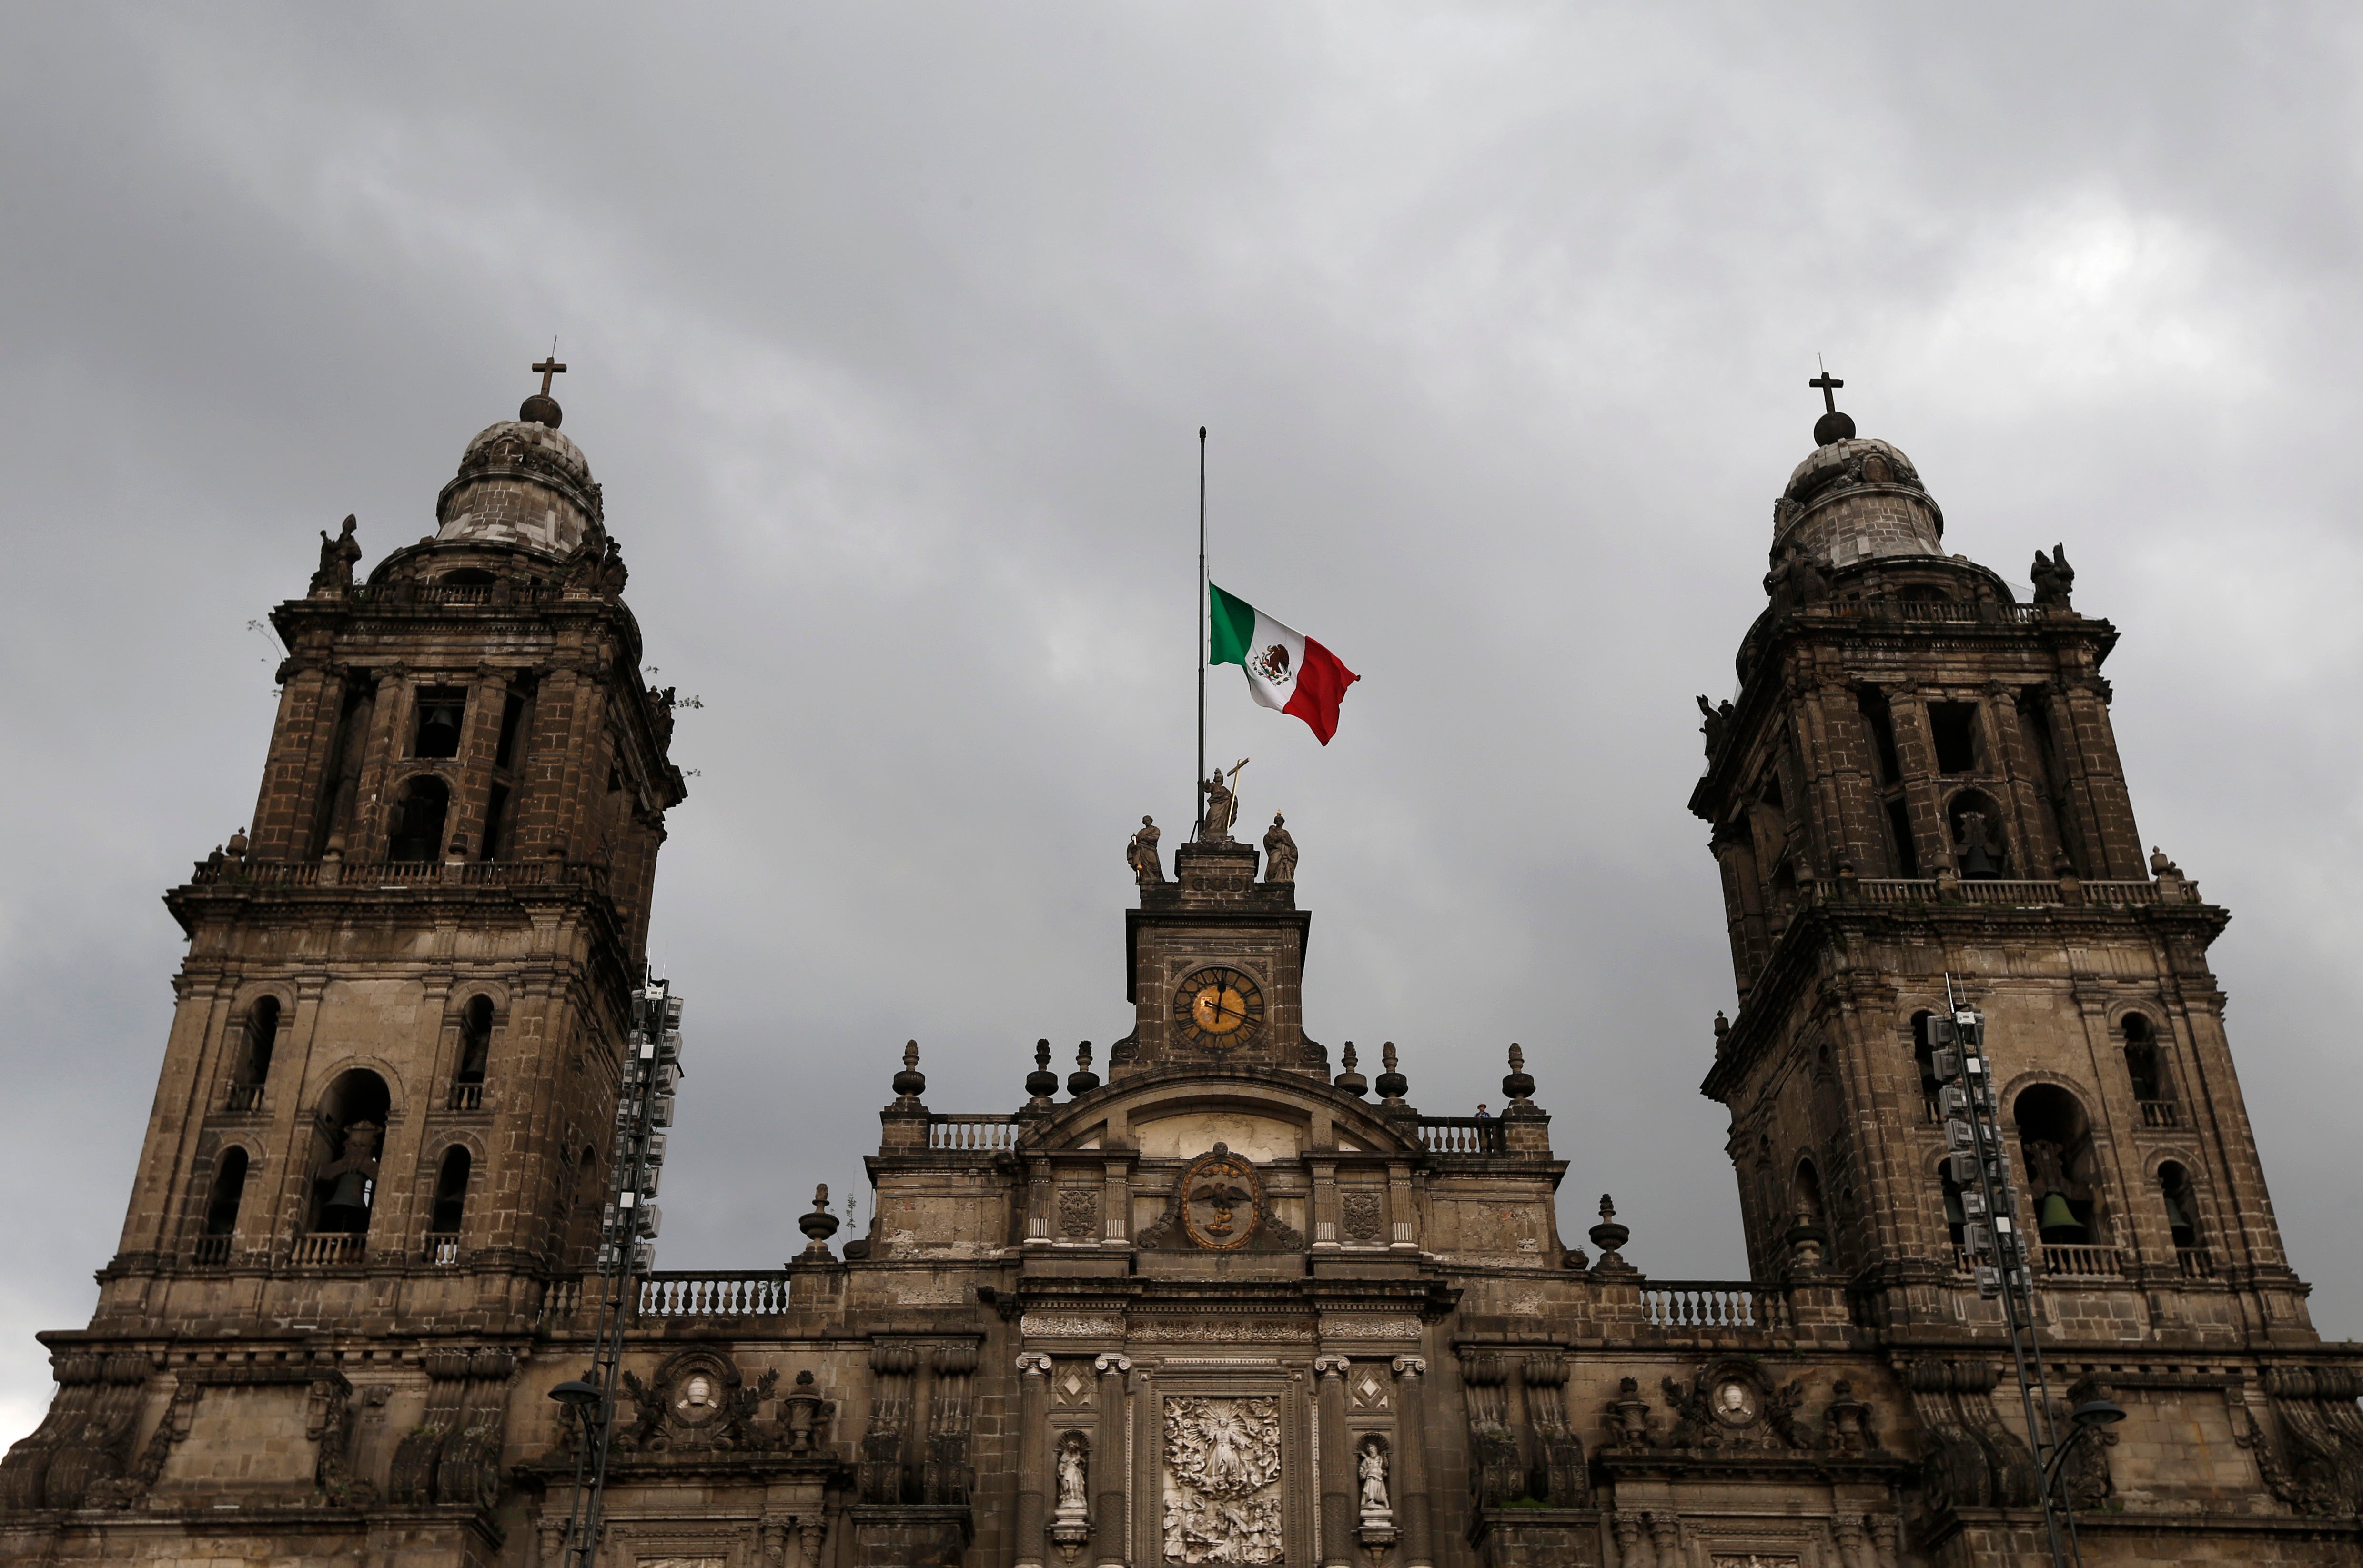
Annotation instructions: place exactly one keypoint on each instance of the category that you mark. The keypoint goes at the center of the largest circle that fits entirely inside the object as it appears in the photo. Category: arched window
(475, 1039)
(2055, 1141)
(253, 1069)
(1923, 1051)
(346, 1135)
(476, 1050)
(221, 1207)
(229, 1188)
(2148, 1073)
(418, 822)
(450, 1207)
(2174, 1187)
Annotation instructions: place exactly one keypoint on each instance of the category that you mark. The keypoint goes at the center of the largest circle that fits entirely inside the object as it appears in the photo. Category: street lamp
(575, 1394)
(2086, 1418)
(2089, 1417)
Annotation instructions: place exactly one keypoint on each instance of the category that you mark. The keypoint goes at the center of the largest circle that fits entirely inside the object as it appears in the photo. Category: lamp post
(2085, 1420)
(651, 1069)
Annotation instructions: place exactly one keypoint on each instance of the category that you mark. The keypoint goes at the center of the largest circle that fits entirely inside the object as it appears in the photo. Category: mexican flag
(1285, 668)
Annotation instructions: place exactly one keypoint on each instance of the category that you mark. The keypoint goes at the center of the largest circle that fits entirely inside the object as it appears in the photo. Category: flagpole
(1198, 618)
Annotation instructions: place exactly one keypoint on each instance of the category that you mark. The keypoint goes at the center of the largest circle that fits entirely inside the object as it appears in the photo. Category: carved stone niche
(1733, 1408)
(1219, 1205)
(696, 1403)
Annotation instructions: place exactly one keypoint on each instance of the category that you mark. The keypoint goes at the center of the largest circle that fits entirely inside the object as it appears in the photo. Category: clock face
(1218, 1009)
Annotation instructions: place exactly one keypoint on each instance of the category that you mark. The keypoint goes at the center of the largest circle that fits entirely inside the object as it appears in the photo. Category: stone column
(1336, 1464)
(1411, 1463)
(1107, 1467)
(1630, 1551)
(1846, 1530)
(1887, 1538)
(1666, 1535)
(1033, 1453)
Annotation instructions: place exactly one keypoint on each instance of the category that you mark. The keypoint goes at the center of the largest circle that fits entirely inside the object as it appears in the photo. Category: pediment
(1267, 1118)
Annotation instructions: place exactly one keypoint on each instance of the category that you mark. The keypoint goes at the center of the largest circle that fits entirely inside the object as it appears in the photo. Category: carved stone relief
(1218, 1204)
(1078, 1212)
(1358, 1216)
(1222, 1480)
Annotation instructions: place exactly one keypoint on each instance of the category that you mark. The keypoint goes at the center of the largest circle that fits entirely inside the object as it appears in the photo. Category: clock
(1218, 1008)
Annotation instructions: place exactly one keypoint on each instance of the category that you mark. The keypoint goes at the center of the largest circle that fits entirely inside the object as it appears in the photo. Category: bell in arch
(348, 1205)
(2178, 1223)
(2055, 1221)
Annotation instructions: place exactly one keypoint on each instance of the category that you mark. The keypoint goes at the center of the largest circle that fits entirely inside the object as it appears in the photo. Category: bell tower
(388, 1090)
(1917, 783)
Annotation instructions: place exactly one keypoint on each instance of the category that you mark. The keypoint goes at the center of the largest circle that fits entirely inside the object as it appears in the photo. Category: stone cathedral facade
(1232, 1303)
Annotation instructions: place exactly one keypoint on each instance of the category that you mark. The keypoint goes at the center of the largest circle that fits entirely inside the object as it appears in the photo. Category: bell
(348, 1208)
(1977, 866)
(2178, 1223)
(2055, 1221)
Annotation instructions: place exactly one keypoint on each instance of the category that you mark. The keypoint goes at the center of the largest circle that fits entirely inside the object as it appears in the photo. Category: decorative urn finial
(1350, 1080)
(1041, 1083)
(1391, 1084)
(1083, 1080)
(1608, 1235)
(1519, 1084)
(911, 1083)
(818, 1226)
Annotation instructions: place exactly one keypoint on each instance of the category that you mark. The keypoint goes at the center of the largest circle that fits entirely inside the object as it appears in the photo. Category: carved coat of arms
(1222, 1480)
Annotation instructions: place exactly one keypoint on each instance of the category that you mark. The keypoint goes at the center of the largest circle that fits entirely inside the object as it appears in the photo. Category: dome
(1853, 499)
(520, 482)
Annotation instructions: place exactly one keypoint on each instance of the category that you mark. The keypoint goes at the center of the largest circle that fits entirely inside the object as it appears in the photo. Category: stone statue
(1222, 805)
(338, 558)
(1718, 722)
(1072, 1499)
(1797, 579)
(1279, 852)
(2053, 579)
(1140, 854)
(1372, 1468)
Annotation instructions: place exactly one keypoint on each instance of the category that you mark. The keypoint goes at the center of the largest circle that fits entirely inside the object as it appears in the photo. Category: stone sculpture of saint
(1227, 1454)
(338, 558)
(1222, 805)
(1072, 1499)
(1140, 854)
(1279, 852)
(1372, 1467)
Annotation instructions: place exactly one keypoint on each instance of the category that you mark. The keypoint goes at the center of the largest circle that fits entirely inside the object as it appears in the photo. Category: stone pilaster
(1336, 1464)
(1107, 1470)
(1033, 1455)
(1410, 1499)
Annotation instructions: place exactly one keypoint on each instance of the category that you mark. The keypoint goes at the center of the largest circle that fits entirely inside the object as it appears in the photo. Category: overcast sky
(891, 328)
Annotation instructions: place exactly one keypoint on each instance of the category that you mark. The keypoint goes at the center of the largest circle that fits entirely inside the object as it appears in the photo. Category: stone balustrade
(1693, 1305)
(971, 1131)
(2099, 1262)
(574, 1299)
(1462, 1135)
(333, 1249)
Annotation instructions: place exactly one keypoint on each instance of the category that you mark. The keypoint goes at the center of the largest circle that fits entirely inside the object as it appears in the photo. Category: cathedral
(1222, 1299)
